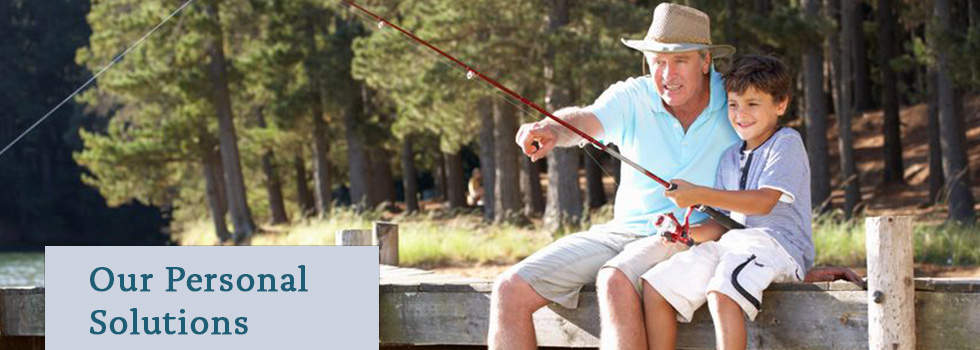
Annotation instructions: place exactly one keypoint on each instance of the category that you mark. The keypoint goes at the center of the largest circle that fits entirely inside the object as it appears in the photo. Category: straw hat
(678, 28)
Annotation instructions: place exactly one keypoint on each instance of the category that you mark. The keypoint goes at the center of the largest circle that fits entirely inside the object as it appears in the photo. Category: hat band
(680, 40)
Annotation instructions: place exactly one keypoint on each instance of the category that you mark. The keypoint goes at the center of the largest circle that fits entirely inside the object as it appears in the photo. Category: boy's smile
(754, 114)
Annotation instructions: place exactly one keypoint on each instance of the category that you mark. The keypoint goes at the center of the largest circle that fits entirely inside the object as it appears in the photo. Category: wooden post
(353, 237)
(386, 238)
(891, 290)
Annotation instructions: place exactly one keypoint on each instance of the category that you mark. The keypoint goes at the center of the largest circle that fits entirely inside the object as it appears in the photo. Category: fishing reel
(672, 230)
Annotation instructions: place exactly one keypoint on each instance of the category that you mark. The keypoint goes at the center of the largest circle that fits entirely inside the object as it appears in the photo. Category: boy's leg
(618, 290)
(752, 260)
(729, 322)
(556, 273)
(661, 320)
(674, 289)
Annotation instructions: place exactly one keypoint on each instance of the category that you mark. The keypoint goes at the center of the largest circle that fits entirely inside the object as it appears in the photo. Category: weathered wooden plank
(353, 238)
(789, 320)
(432, 279)
(22, 312)
(403, 272)
(953, 285)
(947, 320)
(948, 285)
(385, 236)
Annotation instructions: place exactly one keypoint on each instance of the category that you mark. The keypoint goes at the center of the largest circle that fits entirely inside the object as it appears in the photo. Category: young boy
(764, 182)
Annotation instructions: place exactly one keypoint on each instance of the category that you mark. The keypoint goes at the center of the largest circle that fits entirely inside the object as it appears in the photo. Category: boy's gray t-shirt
(780, 163)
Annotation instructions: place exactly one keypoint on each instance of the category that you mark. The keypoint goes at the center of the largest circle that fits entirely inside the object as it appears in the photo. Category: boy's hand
(685, 195)
(827, 274)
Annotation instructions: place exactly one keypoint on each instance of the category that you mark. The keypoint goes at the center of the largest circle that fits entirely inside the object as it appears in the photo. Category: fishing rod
(681, 229)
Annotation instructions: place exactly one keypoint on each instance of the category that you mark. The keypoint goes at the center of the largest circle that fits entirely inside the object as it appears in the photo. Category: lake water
(21, 269)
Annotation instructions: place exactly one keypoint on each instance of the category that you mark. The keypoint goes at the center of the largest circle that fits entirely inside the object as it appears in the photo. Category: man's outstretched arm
(549, 134)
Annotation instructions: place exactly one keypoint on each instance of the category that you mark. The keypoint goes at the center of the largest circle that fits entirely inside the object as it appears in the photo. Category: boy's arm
(749, 202)
(710, 230)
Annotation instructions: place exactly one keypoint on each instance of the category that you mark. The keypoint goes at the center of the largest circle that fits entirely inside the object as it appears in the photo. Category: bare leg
(729, 322)
(512, 303)
(620, 311)
(661, 319)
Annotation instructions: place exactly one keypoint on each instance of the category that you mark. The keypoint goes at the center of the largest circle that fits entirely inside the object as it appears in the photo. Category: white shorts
(740, 265)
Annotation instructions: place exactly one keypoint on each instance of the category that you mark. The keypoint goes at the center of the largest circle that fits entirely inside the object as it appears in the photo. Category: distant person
(764, 182)
(474, 196)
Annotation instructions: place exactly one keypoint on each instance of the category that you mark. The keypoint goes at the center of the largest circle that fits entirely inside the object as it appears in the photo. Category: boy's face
(753, 114)
(679, 76)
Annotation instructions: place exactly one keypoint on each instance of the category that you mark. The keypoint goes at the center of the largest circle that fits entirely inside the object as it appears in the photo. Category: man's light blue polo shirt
(634, 118)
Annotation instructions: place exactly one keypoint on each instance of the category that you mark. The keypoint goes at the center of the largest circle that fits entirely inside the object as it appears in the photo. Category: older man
(672, 122)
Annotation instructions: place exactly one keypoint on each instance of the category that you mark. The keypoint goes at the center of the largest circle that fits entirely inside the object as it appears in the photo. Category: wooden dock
(423, 308)
(22, 318)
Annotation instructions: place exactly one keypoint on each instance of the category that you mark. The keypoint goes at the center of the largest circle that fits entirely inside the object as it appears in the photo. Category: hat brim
(717, 51)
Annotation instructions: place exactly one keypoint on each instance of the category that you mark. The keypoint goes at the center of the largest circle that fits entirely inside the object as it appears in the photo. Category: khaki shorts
(741, 265)
(559, 271)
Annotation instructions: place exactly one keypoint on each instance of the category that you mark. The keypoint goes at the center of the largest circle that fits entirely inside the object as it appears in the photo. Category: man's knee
(512, 292)
(612, 281)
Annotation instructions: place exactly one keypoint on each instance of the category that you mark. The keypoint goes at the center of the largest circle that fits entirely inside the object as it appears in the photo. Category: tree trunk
(273, 184)
(731, 12)
(531, 187)
(322, 180)
(959, 198)
(832, 8)
(303, 194)
(816, 117)
(507, 196)
(440, 176)
(487, 163)
(894, 167)
(409, 182)
(357, 157)
(564, 203)
(455, 187)
(595, 190)
(241, 216)
(321, 148)
(383, 182)
(211, 164)
(936, 176)
(859, 54)
(849, 178)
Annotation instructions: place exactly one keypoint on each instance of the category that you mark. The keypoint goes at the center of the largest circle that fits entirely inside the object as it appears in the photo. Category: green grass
(424, 240)
(459, 239)
(840, 243)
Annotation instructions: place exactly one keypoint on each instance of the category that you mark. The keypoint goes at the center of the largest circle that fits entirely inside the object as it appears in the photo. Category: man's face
(679, 76)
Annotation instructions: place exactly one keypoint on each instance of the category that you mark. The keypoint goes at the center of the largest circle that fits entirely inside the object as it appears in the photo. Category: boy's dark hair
(764, 73)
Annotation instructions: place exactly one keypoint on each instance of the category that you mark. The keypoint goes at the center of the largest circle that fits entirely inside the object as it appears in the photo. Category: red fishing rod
(680, 233)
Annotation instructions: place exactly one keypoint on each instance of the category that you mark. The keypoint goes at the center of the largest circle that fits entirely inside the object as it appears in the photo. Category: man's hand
(827, 274)
(539, 132)
(685, 195)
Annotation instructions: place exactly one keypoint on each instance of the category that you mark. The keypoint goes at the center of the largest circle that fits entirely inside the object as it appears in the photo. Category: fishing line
(92, 79)
(523, 110)
(719, 217)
